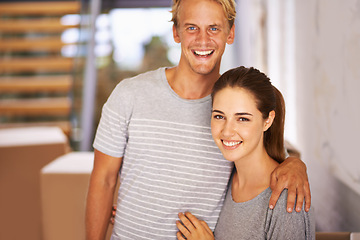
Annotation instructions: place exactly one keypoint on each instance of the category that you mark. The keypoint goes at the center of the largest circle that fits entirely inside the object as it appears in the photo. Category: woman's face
(237, 125)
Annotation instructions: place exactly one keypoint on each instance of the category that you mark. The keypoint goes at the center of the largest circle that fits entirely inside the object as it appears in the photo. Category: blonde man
(154, 134)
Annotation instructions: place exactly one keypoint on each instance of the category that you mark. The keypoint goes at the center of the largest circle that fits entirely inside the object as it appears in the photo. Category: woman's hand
(191, 228)
(113, 214)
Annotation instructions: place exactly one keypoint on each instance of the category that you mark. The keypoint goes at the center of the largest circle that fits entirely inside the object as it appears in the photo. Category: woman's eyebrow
(236, 114)
(217, 111)
(243, 113)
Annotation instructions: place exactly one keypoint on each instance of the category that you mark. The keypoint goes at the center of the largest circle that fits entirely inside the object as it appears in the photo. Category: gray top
(254, 220)
(170, 162)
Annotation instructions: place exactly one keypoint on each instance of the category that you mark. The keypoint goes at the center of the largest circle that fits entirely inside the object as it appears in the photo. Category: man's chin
(204, 70)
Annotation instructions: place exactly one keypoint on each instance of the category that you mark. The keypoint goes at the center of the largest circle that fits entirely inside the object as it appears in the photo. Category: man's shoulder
(149, 77)
(143, 82)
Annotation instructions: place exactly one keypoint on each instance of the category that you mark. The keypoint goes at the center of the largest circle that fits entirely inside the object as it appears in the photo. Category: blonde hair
(227, 5)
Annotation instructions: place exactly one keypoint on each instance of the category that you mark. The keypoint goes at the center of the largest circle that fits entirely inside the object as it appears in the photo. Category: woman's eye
(242, 119)
(218, 117)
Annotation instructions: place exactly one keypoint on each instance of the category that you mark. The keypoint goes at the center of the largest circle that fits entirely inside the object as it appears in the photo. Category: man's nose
(203, 37)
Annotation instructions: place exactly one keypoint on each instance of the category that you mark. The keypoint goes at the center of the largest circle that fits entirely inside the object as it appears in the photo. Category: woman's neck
(252, 176)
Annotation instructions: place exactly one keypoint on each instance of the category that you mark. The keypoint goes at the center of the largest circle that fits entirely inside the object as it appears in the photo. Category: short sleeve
(112, 132)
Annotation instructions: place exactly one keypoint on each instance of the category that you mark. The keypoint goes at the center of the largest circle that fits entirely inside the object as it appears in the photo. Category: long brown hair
(267, 98)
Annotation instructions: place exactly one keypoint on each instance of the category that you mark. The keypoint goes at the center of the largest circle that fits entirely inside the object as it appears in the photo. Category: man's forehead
(189, 14)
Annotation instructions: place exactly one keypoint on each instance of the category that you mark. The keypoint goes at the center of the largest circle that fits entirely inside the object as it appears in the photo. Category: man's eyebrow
(211, 25)
(215, 25)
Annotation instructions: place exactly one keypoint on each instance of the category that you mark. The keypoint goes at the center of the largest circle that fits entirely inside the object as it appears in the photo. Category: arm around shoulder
(291, 174)
(100, 196)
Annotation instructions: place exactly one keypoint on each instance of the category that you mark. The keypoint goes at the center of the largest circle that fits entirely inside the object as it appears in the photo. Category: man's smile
(203, 53)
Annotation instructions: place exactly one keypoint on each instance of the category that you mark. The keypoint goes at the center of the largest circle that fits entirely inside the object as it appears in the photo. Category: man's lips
(203, 53)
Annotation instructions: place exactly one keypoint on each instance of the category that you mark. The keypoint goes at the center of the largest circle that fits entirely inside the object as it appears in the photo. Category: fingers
(291, 199)
(183, 231)
(193, 220)
(113, 211)
(185, 226)
(307, 196)
(180, 236)
(293, 191)
(113, 214)
(299, 199)
(291, 174)
(276, 190)
(187, 221)
(192, 228)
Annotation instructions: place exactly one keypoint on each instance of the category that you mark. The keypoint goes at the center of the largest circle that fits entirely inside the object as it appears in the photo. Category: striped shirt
(170, 162)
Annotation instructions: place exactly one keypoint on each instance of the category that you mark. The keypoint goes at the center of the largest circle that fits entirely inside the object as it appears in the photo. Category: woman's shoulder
(280, 222)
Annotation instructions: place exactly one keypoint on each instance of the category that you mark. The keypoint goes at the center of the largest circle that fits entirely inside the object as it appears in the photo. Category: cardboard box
(23, 153)
(64, 186)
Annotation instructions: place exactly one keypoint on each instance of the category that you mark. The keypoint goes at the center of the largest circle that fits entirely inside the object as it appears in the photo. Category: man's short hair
(227, 5)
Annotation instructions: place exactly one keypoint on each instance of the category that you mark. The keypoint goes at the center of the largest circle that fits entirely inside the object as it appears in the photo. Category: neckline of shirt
(172, 92)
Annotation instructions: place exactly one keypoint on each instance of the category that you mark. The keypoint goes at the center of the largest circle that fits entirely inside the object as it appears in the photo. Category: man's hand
(191, 228)
(291, 174)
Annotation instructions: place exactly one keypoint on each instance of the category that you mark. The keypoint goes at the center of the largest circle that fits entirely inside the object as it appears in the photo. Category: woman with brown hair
(247, 125)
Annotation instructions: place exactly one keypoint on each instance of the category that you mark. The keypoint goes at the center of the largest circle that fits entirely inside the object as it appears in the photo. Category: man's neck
(189, 85)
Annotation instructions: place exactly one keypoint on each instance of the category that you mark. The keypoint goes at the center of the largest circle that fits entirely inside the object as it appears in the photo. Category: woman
(248, 125)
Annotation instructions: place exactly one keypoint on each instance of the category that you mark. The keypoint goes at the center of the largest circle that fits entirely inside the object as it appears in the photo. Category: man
(155, 130)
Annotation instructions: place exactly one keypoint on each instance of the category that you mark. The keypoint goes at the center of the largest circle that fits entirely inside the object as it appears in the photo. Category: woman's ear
(269, 121)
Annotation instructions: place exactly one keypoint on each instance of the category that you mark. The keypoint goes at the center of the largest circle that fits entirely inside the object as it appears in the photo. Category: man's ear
(269, 121)
(231, 36)
(176, 34)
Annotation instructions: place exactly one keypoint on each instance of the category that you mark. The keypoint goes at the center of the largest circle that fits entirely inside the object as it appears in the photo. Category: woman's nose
(229, 129)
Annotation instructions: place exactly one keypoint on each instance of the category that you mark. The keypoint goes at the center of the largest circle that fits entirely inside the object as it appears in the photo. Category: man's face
(203, 32)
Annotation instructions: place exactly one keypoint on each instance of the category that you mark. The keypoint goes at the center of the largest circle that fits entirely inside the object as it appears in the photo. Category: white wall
(314, 52)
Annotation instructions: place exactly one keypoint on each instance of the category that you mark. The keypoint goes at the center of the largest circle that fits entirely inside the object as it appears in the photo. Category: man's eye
(213, 29)
(191, 28)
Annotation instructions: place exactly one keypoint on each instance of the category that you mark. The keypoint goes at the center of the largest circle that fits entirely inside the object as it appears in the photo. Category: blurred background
(60, 60)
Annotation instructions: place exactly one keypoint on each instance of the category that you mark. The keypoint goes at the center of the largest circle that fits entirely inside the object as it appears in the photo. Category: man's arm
(100, 196)
(291, 174)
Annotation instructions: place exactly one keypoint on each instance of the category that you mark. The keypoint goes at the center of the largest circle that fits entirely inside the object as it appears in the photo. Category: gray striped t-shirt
(170, 162)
